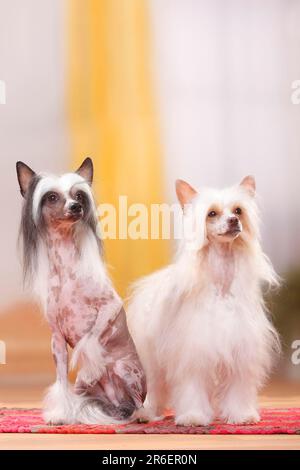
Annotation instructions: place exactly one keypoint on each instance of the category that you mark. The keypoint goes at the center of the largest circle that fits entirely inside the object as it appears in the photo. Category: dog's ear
(185, 192)
(25, 175)
(86, 170)
(248, 183)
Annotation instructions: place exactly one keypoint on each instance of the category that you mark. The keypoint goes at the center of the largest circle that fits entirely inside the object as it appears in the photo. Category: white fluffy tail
(63, 406)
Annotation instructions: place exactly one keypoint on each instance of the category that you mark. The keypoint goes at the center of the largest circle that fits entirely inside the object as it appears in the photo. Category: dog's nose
(75, 208)
(233, 221)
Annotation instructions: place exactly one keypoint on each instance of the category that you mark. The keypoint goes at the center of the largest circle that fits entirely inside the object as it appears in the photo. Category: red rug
(273, 421)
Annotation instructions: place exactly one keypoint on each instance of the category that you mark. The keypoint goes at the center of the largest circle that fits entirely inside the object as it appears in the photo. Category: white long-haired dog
(200, 325)
(62, 255)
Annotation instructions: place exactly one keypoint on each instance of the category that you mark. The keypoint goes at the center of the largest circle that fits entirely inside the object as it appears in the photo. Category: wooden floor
(277, 395)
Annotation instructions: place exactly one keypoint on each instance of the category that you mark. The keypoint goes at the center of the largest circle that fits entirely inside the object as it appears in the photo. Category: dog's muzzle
(76, 210)
(234, 226)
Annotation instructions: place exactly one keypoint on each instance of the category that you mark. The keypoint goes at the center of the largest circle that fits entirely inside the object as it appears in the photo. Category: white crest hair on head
(36, 264)
(62, 183)
(194, 226)
(194, 220)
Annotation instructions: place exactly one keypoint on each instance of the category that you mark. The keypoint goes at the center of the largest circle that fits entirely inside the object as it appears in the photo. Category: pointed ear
(86, 170)
(25, 175)
(249, 184)
(185, 192)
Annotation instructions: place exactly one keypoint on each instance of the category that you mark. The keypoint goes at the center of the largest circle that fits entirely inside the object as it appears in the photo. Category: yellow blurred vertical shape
(113, 118)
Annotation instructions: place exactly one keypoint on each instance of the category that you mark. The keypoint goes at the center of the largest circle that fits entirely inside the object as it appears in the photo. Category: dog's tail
(90, 410)
(63, 405)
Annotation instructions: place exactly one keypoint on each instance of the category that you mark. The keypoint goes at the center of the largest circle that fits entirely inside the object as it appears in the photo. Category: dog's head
(57, 200)
(220, 216)
(54, 202)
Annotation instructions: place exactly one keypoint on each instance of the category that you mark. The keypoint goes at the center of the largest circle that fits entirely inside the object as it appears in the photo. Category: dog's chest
(221, 267)
(74, 299)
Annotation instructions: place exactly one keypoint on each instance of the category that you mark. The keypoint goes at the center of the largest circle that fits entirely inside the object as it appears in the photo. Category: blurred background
(152, 90)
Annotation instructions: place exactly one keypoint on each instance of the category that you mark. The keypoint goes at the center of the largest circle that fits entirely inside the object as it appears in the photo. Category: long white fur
(63, 406)
(206, 354)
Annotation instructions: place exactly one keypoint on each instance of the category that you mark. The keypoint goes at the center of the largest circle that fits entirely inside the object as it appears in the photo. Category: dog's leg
(239, 403)
(156, 399)
(58, 400)
(88, 352)
(191, 403)
(109, 342)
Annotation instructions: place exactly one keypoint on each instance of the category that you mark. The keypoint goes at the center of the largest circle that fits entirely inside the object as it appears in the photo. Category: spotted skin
(62, 260)
(79, 307)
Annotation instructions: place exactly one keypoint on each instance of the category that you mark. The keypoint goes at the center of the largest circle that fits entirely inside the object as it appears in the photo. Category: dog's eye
(52, 197)
(238, 211)
(79, 197)
(212, 214)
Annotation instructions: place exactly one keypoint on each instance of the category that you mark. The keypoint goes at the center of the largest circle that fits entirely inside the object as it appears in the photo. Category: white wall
(32, 125)
(223, 75)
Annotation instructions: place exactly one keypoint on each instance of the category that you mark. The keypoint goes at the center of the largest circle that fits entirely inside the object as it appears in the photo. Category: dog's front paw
(58, 404)
(88, 354)
(146, 414)
(56, 417)
(196, 418)
(246, 417)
